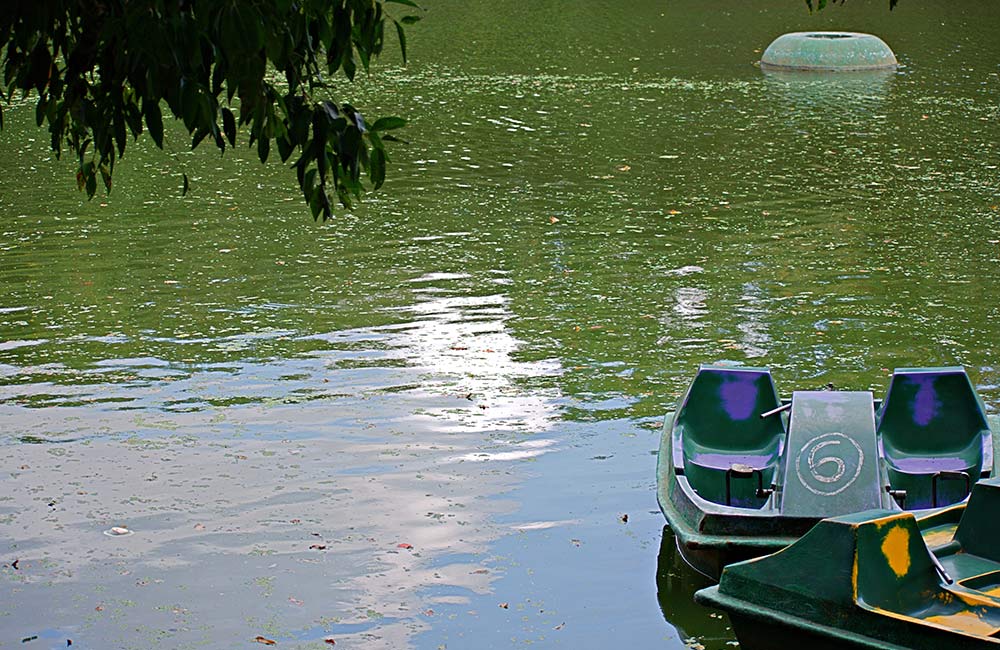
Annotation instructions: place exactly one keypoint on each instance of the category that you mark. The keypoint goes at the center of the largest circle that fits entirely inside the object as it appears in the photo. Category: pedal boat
(742, 473)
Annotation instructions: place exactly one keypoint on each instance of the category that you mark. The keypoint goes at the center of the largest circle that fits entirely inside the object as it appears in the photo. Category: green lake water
(422, 423)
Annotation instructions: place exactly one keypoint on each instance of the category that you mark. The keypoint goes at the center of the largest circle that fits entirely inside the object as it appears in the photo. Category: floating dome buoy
(828, 51)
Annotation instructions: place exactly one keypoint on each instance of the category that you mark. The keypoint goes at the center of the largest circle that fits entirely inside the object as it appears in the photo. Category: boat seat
(934, 436)
(972, 559)
(979, 528)
(895, 573)
(727, 450)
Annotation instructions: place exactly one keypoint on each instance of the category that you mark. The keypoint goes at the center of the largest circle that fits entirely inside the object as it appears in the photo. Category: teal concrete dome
(829, 51)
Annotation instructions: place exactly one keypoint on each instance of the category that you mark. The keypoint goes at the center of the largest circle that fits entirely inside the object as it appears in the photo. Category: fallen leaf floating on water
(576, 542)
(199, 526)
(405, 545)
(428, 612)
(504, 605)
(330, 641)
(560, 626)
(553, 219)
(14, 565)
(120, 530)
(624, 518)
(624, 168)
(673, 211)
(265, 640)
(295, 601)
(29, 638)
(318, 547)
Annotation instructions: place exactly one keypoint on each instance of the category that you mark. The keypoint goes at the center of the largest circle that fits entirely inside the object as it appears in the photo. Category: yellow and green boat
(880, 579)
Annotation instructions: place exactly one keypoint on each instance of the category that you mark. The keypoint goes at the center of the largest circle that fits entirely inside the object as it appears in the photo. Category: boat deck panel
(937, 537)
(832, 456)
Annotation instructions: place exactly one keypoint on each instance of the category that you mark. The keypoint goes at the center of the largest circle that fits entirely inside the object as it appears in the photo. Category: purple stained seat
(718, 426)
(931, 464)
(725, 461)
(933, 421)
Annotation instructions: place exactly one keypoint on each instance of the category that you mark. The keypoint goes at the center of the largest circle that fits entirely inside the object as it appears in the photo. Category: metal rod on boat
(940, 569)
(783, 407)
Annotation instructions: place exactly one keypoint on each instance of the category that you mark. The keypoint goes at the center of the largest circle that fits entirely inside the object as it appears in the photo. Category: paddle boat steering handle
(780, 409)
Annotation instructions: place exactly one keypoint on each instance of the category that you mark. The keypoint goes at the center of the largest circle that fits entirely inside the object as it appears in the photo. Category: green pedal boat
(883, 580)
(742, 473)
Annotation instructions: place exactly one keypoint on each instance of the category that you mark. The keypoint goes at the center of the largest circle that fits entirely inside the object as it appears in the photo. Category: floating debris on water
(118, 531)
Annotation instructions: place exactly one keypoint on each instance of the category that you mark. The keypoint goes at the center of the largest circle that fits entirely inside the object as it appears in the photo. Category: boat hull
(712, 560)
(748, 536)
(763, 629)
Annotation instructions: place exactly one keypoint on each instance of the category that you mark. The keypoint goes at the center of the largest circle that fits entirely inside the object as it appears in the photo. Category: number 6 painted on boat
(813, 469)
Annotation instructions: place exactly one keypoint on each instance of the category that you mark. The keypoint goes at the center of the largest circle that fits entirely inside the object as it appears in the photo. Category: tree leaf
(315, 202)
(106, 177)
(408, 3)
(91, 180)
(285, 148)
(402, 39)
(263, 148)
(190, 105)
(40, 109)
(387, 124)
(154, 120)
(377, 171)
(187, 185)
(409, 20)
(120, 136)
(229, 126)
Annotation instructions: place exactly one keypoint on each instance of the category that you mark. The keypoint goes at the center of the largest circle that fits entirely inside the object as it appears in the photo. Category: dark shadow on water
(676, 583)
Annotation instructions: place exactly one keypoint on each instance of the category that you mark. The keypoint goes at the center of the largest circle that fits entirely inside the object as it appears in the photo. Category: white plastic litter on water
(117, 531)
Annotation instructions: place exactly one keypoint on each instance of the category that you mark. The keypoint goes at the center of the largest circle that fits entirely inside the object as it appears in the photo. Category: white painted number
(829, 464)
